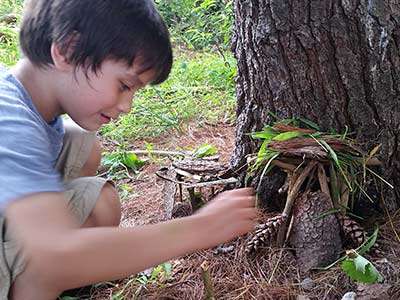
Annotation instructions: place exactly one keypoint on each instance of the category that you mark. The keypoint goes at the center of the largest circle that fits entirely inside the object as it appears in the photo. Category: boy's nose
(125, 104)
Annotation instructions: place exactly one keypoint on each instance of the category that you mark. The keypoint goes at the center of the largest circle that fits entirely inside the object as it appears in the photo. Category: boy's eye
(124, 87)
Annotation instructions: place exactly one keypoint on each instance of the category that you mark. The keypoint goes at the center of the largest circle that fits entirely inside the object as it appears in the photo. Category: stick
(157, 152)
(323, 180)
(208, 287)
(292, 195)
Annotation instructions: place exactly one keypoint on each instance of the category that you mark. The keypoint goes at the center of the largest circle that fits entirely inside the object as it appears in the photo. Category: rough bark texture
(315, 239)
(336, 62)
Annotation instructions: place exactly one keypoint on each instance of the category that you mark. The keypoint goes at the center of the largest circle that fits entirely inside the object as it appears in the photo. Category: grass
(200, 89)
(8, 32)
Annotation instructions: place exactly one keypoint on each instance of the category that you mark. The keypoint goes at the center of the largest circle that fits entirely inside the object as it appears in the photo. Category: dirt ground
(269, 274)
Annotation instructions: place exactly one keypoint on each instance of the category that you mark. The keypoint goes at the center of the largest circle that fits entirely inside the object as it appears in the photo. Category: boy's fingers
(241, 192)
(247, 201)
(249, 213)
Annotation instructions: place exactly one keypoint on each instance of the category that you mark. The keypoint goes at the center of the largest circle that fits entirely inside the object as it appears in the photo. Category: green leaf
(131, 161)
(310, 124)
(360, 250)
(287, 135)
(275, 116)
(368, 243)
(361, 269)
(168, 268)
(204, 150)
(156, 272)
(327, 213)
(267, 134)
(333, 155)
(116, 160)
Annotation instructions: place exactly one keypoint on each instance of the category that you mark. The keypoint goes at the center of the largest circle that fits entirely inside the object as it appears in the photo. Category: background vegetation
(201, 85)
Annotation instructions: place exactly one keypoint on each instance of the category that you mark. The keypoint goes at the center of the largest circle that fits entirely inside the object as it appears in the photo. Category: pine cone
(264, 233)
(354, 233)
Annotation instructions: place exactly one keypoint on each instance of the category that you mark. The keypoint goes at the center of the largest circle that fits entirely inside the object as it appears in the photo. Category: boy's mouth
(105, 119)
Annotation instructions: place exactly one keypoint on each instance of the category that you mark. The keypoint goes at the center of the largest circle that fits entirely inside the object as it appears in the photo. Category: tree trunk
(336, 63)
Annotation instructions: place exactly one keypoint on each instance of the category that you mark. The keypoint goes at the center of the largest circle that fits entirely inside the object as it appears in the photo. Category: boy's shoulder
(12, 91)
(7, 82)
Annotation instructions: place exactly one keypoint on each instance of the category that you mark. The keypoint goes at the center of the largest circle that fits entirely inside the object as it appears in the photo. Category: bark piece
(169, 191)
(316, 239)
(199, 166)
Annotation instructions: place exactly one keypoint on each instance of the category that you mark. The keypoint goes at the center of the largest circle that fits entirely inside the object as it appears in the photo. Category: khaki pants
(81, 193)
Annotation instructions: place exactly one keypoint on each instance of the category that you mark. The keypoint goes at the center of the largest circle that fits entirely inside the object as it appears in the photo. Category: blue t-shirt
(29, 147)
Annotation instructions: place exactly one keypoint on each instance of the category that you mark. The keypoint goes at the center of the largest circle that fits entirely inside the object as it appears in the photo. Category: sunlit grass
(200, 88)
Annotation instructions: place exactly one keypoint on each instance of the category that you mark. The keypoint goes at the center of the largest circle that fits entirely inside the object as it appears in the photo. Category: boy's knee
(93, 162)
(107, 211)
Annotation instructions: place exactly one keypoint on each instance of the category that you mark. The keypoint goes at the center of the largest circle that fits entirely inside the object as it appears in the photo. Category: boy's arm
(55, 244)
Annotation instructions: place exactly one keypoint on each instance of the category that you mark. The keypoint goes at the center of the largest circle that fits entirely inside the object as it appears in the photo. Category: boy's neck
(40, 85)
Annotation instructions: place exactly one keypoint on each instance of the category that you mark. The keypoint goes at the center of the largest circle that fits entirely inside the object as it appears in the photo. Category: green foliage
(204, 150)
(348, 166)
(358, 267)
(200, 88)
(361, 269)
(287, 135)
(121, 162)
(158, 275)
(198, 24)
(9, 52)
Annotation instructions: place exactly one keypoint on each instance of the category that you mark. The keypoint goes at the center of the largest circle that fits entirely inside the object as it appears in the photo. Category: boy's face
(97, 99)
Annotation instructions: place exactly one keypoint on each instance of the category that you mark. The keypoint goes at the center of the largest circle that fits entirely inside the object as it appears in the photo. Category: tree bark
(336, 63)
(316, 238)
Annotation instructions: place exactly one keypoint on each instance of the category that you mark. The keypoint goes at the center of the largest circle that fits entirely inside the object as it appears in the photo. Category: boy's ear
(60, 60)
(62, 52)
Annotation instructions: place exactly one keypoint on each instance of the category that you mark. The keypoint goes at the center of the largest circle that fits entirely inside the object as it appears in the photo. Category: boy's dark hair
(91, 31)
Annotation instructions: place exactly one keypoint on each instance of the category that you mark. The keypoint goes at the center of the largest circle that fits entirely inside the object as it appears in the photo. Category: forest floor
(269, 274)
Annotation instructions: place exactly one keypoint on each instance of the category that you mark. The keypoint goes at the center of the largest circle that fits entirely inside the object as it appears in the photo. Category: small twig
(344, 197)
(296, 187)
(162, 176)
(158, 152)
(263, 173)
(284, 165)
(275, 267)
(127, 171)
(292, 194)
(193, 201)
(208, 287)
(323, 180)
(390, 219)
(212, 183)
(187, 174)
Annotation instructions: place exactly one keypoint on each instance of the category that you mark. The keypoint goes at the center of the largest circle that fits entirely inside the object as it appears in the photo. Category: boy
(58, 222)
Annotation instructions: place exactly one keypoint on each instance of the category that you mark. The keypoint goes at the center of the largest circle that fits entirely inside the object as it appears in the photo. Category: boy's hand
(229, 215)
